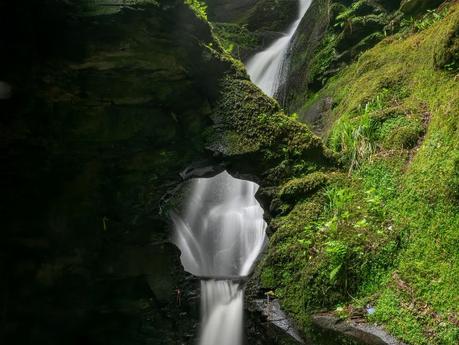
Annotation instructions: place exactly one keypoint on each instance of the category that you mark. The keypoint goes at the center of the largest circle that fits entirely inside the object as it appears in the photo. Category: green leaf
(334, 272)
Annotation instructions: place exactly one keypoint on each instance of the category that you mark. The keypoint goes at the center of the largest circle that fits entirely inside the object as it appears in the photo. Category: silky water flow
(220, 233)
(265, 68)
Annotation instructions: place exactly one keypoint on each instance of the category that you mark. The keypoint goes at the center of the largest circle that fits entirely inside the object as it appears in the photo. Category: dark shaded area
(257, 15)
(91, 138)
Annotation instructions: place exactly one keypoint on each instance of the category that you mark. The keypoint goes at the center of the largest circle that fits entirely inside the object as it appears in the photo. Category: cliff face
(245, 27)
(104, 113)
(258, 15)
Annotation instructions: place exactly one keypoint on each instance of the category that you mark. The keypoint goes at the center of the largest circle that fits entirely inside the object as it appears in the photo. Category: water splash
(265, 67)
(220, 234)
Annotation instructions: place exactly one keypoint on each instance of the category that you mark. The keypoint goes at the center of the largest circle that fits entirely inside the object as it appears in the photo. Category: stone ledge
(359, 331)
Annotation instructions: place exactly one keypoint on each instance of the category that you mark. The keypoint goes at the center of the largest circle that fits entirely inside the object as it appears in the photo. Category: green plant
(354, 138)
(336, 251)
(424, 22)
(199, 7)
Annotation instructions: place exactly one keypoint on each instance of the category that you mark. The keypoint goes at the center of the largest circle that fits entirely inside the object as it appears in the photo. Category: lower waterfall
(220, 232)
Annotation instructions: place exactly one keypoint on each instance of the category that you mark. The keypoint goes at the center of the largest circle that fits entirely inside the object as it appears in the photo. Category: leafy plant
(336, 251)
(424, 22)
(199, 7)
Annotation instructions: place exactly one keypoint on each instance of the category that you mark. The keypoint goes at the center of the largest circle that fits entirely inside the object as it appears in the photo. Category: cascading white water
(265, 67)
(220, 234)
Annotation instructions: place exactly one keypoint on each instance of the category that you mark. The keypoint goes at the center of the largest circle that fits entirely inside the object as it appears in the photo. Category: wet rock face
(257, 15)
(305, 42)
(229, 10)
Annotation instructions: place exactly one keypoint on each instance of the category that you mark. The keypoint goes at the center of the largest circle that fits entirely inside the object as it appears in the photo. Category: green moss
(406, 325)
(323, 58)
(446, 51)
(281, 146)
(400, 133)
(299, 188)
(199, 7)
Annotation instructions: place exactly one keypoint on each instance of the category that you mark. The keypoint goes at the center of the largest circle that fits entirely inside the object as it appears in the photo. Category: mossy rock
(414, 7)
(299, 188)
(400, 133)
(446, 53)
(258, 15)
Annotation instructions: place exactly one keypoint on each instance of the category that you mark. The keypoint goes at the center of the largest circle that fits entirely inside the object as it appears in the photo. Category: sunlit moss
(386, 234)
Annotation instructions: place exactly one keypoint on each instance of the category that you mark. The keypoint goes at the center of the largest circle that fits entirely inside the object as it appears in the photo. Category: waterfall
(220, 233)
(265, 67)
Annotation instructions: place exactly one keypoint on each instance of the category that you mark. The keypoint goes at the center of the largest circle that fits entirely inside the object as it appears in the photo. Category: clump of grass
(413, 24)
(355, 135)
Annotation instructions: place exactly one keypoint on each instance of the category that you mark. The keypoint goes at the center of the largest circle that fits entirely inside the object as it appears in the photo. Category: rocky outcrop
(331, 35)
(258, 15)
(361, 332)
(293, 92)
(245, 27)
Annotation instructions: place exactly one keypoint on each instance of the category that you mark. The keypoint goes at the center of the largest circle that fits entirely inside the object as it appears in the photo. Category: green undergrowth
(385, 232)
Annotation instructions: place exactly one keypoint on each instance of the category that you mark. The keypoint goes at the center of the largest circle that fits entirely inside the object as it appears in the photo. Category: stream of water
(221, 233)
(265, 68)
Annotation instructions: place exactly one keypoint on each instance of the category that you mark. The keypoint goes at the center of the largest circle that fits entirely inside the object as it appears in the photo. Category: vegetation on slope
(384, 233)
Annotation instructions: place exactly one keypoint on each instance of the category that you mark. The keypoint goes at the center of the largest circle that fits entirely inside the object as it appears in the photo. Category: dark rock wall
(92, 137)
(246, 27)
(258, 15)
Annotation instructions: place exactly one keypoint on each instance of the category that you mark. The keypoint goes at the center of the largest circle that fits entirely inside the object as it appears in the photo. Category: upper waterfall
(265, 67)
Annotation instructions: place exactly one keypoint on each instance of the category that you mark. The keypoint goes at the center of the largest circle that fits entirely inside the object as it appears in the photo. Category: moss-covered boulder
(446, 53)
(415, 7)
(299, 188)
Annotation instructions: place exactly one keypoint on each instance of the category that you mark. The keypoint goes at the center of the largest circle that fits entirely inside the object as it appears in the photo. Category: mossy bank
(379, 240)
